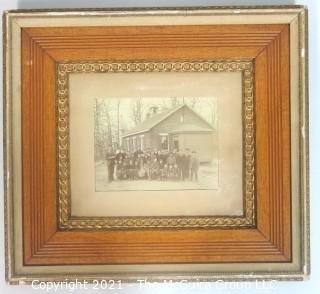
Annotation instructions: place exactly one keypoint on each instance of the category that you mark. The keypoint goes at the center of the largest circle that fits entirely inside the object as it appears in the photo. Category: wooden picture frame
(269, 240)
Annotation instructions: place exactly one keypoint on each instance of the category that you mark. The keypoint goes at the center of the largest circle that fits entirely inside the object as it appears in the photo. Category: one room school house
(176, 128)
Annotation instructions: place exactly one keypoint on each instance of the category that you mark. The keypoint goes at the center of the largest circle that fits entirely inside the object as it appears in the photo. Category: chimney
(152, 111)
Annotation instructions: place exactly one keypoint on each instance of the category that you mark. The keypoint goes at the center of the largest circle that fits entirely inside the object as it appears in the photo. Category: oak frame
(270, 241)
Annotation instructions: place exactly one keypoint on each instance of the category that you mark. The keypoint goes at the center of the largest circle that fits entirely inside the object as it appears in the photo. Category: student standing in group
(186, 164)
(110, 157)
(194, 166)
(179, 159)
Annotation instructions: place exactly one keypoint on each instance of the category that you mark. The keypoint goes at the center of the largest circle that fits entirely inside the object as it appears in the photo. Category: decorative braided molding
(66, 221)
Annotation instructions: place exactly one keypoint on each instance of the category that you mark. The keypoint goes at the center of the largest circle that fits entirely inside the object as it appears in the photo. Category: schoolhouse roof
(154, 120)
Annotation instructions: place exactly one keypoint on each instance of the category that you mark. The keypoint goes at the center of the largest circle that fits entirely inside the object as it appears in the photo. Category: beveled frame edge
(143, 10)
(7, 154)
(12, 277)
(65, 219)
(304, 137)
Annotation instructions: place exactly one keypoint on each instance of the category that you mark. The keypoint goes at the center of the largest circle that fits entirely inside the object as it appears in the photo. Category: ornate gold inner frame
(68, 222)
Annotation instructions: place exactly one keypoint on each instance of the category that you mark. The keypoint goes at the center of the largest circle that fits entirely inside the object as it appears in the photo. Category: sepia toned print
(156, 143)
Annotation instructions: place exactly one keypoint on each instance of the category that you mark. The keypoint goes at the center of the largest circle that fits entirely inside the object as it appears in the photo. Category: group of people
(152, 165)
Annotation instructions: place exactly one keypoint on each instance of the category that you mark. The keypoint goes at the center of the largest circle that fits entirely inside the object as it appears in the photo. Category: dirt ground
(207, 179)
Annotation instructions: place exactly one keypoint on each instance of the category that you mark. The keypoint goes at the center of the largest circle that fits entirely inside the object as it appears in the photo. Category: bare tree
(212, 106)
(137, 110)
(103, 128)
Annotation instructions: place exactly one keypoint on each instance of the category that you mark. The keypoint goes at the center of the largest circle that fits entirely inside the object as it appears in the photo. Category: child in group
(170, 172)
(131, 169)
(175, 172)
(119, 169)
(147, 167)
(136, 169)
(141, 165)
(154, 169)
(123, 172)
(161, 166)
(164, 172)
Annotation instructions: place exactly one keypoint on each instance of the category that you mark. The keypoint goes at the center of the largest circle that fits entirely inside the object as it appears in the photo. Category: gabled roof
(151, 122)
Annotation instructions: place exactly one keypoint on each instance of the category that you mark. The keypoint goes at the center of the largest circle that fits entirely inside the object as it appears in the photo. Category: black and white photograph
(155, 143)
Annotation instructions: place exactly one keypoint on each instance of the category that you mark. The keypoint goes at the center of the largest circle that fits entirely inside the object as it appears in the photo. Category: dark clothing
(136, 153)
(119, 169)
(154, 169)
(194, 163)
(171, 160)
(163, 157)
(110, 164)
(194, 167)
(119, 156)
(154, 156)
(186, 166)
(179, 160)
(152, 165)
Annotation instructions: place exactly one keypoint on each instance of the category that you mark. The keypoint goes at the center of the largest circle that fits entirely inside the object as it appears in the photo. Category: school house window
(141, 142)
(164, 141)
(131, 144)
(138, 143)
(134, 143)
(128, 144)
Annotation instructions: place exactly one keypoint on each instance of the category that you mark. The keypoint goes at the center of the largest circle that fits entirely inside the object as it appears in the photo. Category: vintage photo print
(155, 143)
(160, 144)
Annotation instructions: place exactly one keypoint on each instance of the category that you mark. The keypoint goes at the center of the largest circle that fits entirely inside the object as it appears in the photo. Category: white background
(276, 287)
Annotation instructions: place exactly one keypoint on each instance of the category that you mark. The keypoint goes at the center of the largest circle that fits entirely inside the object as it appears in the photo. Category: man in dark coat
(120, 154)
(137, 153)
(179, 159)
(186, 164)
(110, 157)
(194, 166)
(163, 156)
